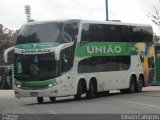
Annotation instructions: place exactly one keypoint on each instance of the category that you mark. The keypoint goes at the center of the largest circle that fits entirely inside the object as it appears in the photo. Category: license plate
(35, 94)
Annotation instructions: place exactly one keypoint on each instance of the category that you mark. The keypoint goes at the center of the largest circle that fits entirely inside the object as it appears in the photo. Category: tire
(79, 92)
(40, 100)
(52, 99)
(6, 84)
(139, 85)
(132, 85)
(3, 83)
(90, 92)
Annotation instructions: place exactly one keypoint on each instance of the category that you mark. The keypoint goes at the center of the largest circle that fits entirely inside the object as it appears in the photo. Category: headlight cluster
(50, 85)
(18, 84)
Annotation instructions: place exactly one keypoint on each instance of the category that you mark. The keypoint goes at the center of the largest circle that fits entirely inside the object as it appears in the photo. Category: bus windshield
(38, 33)
(34, 67)
(48, 32)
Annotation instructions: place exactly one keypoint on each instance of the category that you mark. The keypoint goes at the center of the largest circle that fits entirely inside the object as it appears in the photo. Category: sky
(12, 13)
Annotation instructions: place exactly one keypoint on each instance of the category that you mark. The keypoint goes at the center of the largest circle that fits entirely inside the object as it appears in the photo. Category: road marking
(138, 103)
(52, 112)
(23, 108)
(26, 109)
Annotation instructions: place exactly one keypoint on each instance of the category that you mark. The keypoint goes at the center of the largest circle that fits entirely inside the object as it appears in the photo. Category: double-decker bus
(75, 57)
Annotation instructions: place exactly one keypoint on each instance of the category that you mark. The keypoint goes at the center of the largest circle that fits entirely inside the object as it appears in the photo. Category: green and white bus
(75, 57)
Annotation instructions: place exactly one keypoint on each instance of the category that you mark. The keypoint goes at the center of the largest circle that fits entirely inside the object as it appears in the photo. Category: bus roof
(89, 21)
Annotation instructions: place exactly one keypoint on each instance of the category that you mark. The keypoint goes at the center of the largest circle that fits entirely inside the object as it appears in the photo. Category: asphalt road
(147, 102)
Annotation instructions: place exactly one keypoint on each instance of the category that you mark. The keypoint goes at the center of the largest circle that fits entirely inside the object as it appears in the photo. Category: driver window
(70, 32)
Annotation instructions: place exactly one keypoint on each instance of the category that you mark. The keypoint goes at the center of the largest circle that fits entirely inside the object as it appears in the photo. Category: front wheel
(52, 99)
(2, 83)
(40, 100)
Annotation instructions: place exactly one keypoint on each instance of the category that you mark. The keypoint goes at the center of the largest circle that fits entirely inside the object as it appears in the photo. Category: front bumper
(54, 91)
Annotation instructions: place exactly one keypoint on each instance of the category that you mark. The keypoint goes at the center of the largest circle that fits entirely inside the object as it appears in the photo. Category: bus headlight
(50, 85)
(19, 86)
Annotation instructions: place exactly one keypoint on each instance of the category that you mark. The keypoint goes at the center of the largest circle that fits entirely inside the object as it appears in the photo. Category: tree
(155, 18)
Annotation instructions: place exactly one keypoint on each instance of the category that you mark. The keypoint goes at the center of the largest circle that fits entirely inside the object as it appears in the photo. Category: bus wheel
(90, 92)
(52, 99)
(40, 100)
(79, 92)
(2, 82)
(132, 85)
(139, 84)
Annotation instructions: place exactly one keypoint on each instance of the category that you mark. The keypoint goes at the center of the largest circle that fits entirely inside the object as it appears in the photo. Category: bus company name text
(103, 49)
(36, 51)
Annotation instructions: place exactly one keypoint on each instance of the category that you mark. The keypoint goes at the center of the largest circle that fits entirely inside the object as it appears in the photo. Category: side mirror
(6, 53)
(142, 58)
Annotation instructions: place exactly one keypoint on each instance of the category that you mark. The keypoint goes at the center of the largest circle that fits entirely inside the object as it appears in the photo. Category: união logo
(36, 51)
(104, 49)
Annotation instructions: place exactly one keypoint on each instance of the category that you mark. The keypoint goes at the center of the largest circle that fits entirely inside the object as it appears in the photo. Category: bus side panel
(146, 52)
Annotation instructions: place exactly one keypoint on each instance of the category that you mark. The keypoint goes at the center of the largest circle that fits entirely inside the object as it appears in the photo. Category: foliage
(155, 17)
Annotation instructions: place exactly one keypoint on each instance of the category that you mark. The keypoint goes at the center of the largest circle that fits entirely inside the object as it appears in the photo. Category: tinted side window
(114, 33)
(67, 58)
(85, 35)
(93, 33)
(97, 32)
(141, 34)
(124, 37)
(118, 33)
(104, 63)
(70, 32)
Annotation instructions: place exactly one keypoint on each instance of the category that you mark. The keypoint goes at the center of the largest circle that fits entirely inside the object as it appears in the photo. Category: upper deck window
(48, 32)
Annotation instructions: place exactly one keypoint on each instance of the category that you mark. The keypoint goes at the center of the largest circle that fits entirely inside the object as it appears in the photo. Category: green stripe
(36, 83)
(106, 49)
(37, 45)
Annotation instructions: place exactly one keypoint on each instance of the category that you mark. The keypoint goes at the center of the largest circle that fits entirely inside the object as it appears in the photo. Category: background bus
(157, 63)
(75, 57)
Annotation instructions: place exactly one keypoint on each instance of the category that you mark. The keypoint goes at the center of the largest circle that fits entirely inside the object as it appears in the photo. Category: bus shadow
(65, 100)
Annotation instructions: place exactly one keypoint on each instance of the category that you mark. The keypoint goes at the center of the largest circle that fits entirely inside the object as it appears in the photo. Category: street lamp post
(28, 12)
(107, 10)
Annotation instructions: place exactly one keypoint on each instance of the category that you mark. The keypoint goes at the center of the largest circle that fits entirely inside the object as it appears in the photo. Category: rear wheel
(52, 99)
(40, 100)
(79, 92)
(90, 92)
(139, 84)
(132, 85)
